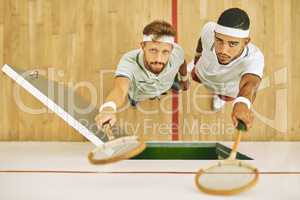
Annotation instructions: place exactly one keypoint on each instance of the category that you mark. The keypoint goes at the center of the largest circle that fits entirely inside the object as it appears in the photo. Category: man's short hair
(235, 18)
(159, 28)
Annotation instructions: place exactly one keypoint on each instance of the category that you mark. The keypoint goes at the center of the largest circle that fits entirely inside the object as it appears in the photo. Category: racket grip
(241, 126)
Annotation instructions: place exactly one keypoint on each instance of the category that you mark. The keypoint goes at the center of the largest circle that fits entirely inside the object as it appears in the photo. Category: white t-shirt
(225, 79)
(143, 83)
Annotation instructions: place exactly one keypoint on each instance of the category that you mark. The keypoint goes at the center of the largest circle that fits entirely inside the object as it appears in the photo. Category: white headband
(234, 32)
(164, 38)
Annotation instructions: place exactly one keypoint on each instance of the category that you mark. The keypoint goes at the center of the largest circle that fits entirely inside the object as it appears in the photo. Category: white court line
(52, 105)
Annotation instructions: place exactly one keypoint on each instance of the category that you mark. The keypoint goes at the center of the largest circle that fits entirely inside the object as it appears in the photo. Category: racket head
(227, 177)
(116, 150)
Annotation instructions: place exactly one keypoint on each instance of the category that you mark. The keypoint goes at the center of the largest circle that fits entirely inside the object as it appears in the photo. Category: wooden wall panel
(295, 71)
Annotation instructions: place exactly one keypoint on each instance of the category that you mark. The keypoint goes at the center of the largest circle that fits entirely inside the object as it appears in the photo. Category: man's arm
(119, 92)
(184, 76)
(199, 50)
(183, 69)
(117, 96)
(248, 88)
(249, 85)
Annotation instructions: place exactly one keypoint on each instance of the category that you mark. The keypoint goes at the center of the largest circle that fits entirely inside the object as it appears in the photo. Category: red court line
(175, 113)
(136, 172)
(174, 17)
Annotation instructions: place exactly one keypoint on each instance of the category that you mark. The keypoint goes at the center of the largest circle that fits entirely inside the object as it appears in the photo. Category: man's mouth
(223, 57)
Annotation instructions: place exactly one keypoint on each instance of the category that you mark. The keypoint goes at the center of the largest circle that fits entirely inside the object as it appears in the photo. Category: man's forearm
(249, 90)
(199, 50)
(117, 95)
(183, 69)
(248, 87)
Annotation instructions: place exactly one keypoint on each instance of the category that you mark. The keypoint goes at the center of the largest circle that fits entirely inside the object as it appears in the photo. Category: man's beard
(155, 70)
(222, 56)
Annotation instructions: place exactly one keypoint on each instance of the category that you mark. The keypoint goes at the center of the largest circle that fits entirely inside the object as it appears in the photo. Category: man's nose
(224, 49)
(159, 58)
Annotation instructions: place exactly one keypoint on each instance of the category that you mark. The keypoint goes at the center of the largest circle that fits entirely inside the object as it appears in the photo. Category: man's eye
(233, 44)
(219, 41)
(153, 50)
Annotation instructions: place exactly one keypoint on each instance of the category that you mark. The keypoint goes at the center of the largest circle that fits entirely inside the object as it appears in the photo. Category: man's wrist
(108, 106)
(244, 100)
(184, 77)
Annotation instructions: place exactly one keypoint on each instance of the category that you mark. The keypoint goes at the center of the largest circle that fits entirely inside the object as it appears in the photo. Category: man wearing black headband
(228, 64)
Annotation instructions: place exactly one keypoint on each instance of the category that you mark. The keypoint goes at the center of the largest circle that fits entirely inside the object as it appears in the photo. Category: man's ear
(142, 45)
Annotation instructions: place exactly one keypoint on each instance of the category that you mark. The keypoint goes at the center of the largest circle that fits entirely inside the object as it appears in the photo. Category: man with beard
(146, 73)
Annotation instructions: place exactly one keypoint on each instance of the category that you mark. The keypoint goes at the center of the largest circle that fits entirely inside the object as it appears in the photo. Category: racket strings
(119, 146)
(124, 146)
(119, 149)
(226, 178)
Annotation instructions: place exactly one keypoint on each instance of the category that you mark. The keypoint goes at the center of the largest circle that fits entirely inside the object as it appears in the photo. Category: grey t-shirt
(143, 83)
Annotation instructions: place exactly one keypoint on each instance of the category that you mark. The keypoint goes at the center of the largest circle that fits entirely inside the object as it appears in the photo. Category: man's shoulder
(208, 26)
(178, 51)
(207, 35)
(177, 56)
(128, 64)
(131, 56)
(253, 53)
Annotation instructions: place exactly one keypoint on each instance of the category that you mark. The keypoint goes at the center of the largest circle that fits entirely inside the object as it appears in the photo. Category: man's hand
(241, 112)
(185, 85)
(107, 115)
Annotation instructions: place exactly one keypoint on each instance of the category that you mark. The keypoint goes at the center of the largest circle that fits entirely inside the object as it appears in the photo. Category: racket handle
(108, 131)
(241, 126)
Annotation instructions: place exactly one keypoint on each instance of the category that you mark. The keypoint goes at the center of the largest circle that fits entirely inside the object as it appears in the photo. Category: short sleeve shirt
(143, 83)
(225, 79)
